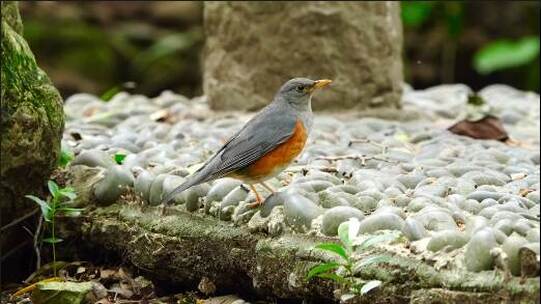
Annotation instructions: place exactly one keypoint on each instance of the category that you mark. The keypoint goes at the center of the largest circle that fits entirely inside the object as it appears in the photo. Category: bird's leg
(163, 208)
(267, 187)
(257, 198)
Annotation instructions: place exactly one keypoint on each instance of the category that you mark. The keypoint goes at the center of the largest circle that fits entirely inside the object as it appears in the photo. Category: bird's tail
(193, 180)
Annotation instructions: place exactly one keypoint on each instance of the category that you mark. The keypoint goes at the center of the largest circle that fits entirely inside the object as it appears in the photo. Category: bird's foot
(255, 205)
(258, 202)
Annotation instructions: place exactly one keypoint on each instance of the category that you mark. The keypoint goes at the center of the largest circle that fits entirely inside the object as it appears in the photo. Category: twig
(16, 221)
(363, 158)
(36, 240)
(322, 169)
(304, 170)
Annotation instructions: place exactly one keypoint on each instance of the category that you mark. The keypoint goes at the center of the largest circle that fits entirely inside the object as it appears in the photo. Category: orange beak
(321, 83)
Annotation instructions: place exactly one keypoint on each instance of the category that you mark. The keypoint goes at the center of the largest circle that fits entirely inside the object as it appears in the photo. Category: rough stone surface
(32, 123)
(172, 247)
(252, 48)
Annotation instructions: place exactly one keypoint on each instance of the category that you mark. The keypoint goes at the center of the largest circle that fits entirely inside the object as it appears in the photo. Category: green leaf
(68, 192)
(370, 261)
(415, 13)
(322, 268)
(119, 158)
(51, 240)
(331, 276)
(45, 208)
(66, 156)
(110, 93)
(503, 54)
(373, 240)
(369, 286)
(71, 212)
(347, 231)
(53, 188)
(334, 248)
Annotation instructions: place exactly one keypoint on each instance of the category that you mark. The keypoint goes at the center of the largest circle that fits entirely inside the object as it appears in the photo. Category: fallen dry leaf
(489, 127)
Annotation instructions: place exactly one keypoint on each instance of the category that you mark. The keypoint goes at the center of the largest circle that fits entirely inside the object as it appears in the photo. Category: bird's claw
(255, 205)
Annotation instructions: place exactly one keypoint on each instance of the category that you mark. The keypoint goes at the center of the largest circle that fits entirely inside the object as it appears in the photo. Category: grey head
(297, 92)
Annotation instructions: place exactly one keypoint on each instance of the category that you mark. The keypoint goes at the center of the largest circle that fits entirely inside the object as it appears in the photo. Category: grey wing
(260, 136)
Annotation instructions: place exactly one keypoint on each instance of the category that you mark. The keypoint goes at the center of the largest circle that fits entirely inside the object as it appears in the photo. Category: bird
(266, 144)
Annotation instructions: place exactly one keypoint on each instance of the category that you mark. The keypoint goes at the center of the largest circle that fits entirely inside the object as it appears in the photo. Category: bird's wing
(258, 137)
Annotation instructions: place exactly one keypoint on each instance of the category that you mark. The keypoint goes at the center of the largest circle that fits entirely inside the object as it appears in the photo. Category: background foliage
(150, 46)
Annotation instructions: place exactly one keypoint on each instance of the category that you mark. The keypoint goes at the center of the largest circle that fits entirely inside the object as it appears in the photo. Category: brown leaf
(489, 127)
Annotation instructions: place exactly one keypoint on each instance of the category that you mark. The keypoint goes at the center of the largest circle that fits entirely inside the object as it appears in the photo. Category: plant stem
(54, 247)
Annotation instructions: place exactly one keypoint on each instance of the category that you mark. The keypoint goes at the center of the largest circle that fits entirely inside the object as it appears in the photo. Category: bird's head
(298, 91)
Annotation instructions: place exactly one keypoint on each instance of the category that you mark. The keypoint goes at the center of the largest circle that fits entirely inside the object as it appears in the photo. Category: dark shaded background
(147, 47)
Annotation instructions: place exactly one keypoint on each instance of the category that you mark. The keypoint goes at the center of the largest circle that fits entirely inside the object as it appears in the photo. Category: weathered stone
(381, 221)
(511, 247)
(413, 230)
(300, 211)
(271, 265)
(356, 44)
(115, 181)
(529, 260)
(452, 238)
(32, 123)
(333, 217)
(477, 256)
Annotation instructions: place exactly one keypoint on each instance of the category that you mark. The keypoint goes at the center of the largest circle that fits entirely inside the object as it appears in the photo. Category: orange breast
(276, 160)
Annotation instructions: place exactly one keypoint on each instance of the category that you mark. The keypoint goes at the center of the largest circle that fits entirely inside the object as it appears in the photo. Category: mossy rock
(32, 123)
(183, 247)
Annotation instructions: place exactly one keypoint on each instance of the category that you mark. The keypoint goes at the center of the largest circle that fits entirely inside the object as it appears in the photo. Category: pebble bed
(460, 202)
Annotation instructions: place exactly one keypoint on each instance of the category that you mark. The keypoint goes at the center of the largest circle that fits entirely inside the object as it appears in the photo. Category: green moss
(31, 121)
(32, 114)
(183, 247)
(24, 82)
(10, 14)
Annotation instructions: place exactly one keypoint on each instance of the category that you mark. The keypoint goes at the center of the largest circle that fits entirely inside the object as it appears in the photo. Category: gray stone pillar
(253, 47)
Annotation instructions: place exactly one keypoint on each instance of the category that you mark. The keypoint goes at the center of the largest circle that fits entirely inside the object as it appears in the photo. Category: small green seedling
(119, 158)
(343, 271)
(66, 156)
(58, 204)
(107, 95)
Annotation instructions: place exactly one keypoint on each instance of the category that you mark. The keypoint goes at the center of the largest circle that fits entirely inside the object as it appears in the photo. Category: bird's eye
(300, 88)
